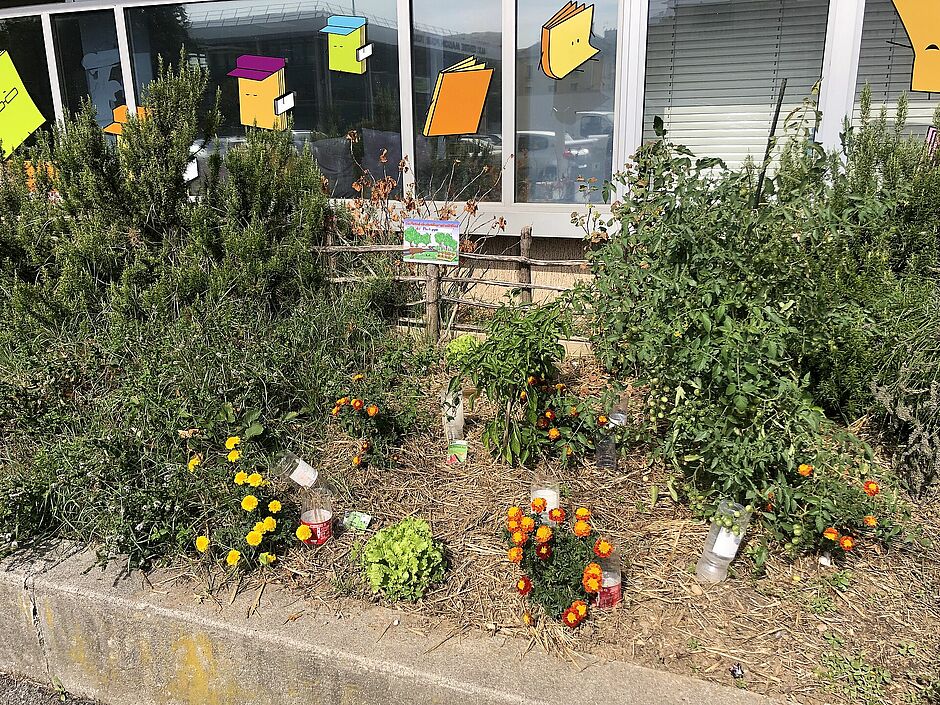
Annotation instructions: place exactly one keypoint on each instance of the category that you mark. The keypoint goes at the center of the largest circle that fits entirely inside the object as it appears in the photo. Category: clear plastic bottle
(721, 545)
(611, 591)
(606, 453)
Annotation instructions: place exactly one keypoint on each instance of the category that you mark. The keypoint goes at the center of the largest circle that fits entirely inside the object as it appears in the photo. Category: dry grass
(788, 629)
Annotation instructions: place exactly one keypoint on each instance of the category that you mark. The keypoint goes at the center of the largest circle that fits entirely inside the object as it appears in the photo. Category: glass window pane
(22, 38)
(564, 123)
(89, 62)
(886, 63)
(466, 160)
(328, 103)
(714, 68)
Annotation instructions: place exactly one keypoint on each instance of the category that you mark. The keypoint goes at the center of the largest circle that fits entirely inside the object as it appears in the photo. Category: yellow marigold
(539, 505)
(255, 479)
(518, 538)
(358, 377)
(543, 534)
(554, 434)
(193, 462)
(274, 506)
(254, 538)
(342, 402)
(250, 503)
(514, 513)
(303, 532)
(514, 554)
(831, 534)
(241, 477)
(202, 544)
(267, 558)
(234, 455)
(259, 527)
(270, 523)
(357, 460)
(231, 442)
(335, 411)
(581, 528)
(233, 557)
(870, 521)
(513, 525)
(527, 524)
(805, 470)
(582, 513)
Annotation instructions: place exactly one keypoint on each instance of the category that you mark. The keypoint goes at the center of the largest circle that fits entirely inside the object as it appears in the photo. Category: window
(886, 63)
(329, 103)
(22, 38)
(714, 69)
(467, 164)
(89, 62)
(564, 124)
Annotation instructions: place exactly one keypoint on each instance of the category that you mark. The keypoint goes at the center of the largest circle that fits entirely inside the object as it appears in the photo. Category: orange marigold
(543, 534)
(603, 548)
(524, 586)
(335, 411)
(372, 410)
(582, 513)
(527, 524)
(557, 515)
(870, 521)
(514, 513)
(532, 380)
(591, 583)
(573, 411)
(519, 538)
(514, 554)
(523, 396)
(513, 525)
(357, 404)
(582, 528)
(542, 423)
(539, 505)
(554, 434)
(602, 420)
(357, 460)
(831, 534)
(550, 415)
(342, 402)
(581, 607)
(805, 470)
(570, 618)
(847, 543)
(593, 569)
(871, 488)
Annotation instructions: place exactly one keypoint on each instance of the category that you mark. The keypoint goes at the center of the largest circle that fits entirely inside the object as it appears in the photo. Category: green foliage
(403, 560)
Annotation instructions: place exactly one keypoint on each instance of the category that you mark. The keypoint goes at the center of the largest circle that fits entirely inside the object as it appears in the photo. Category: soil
(865, 628)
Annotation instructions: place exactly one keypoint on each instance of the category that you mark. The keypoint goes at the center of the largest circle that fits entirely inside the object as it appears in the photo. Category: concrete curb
(121, 641)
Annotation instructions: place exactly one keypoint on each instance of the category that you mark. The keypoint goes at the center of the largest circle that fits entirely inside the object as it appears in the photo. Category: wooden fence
(434, 277)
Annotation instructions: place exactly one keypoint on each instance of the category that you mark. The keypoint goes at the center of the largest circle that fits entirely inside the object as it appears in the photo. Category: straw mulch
(795, 632)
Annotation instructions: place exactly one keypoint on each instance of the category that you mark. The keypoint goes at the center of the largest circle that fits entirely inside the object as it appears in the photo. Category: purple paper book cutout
(256, 68)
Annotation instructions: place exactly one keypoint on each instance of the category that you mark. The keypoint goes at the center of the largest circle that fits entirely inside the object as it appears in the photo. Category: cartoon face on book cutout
(566, 40)
(262, 100)
(19, 116)
(921, 19)
(347, 47)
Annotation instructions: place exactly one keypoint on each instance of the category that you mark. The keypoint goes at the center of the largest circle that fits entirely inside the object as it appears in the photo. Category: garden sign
(432, 241)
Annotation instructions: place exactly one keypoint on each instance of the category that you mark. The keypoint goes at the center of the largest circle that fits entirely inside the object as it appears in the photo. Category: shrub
(403, 561)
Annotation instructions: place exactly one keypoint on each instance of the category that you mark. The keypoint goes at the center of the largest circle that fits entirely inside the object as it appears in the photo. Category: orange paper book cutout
(121, 116)
(921, 19)
(566, 40)
(459, 97)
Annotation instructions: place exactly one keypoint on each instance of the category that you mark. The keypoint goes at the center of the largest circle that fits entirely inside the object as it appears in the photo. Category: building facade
(711, 69)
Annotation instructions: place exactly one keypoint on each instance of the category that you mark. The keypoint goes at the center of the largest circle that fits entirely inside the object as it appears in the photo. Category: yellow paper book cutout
(921, 19)
(348, 51)
(261, 98)
(459, 96)
(566, 40)
(19, 116)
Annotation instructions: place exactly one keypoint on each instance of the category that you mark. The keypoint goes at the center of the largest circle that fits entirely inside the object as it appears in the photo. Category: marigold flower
(602, 420)
(591, 584)
(550, 415)
(356, 460)
(372, 410)
(528, 619)
(234, 455)
(254, 538)
(249, 503)
(274, 506)
(581, 528)
(193, 462)
(581, 607)
(519, 538)
(514, 513)
(365, 447)
(303, 532)
(557, 515)
(524, 586)
(532, 380)
(543, 534)
(267, 558)
(255, 479)
(871, 488)
(831, 534)
(202, 543)
(870, 521)
(582, 513)
(847, 543)
(603, 548)
(573, 411)
(514, 525)
(805, 470)
(342, 402)
(514, 554)
(554, 434)
(593, 569)
(539, 505)
(560, 387)
(568, 451)
(270, 523)
(241, 477)
(527, 524)
(335, 411)
(543, 551)
(231, 442)
(358, 377)
(357, 404)
(233, 557)
(570, 618)
(523, 396)
(259, 526)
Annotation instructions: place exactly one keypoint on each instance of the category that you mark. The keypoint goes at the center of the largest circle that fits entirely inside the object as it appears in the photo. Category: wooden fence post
(525, 271)
(432, 291)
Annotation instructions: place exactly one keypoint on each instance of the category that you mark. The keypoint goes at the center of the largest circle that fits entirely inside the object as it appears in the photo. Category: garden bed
(866, 629)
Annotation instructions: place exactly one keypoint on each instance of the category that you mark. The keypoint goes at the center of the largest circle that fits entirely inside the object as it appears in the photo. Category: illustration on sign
(459, 96)
(19, 116)
(566, 40)
(262, 97)
(921, 20)
(348, 50)
(121, 115)
(432, 241)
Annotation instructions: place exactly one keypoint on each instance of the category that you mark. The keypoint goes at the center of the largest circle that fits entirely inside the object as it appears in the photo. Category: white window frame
(837, 92)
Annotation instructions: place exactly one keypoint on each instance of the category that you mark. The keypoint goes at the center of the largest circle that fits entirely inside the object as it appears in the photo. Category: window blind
(714, 67)
(886, 61)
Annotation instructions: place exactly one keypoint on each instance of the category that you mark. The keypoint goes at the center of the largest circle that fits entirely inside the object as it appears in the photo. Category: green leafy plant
(404, 560)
